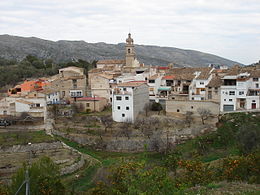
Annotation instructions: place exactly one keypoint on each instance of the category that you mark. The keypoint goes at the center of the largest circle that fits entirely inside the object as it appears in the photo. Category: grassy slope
(16, 138)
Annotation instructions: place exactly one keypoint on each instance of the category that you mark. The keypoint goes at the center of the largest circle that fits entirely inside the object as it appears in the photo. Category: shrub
(243, 168)
(194, 172)
(156, 106)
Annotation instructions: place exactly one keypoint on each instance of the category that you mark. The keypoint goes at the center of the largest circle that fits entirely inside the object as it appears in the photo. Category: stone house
(91, 104)
(101, 85)
(213, 89)
(70, 83)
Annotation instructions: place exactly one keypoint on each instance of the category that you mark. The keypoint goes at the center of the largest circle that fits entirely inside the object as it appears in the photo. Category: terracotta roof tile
(215, 82)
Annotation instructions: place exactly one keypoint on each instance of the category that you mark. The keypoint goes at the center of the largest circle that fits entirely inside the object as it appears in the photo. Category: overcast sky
(228, 28)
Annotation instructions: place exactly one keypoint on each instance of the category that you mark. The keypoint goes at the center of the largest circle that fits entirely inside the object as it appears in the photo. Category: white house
(154, 83)
(198, 85)
(52, 96)
(129, 99)
(241, 91)
(36, 107)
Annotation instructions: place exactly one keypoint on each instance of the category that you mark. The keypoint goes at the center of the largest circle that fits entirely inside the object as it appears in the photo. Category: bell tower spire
(129, 51)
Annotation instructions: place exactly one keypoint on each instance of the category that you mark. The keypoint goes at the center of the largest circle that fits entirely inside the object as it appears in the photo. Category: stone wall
(178, 107)
(32, 147)
(136, 143)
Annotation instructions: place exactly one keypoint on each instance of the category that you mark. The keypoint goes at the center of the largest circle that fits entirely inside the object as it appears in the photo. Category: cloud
(225, 27)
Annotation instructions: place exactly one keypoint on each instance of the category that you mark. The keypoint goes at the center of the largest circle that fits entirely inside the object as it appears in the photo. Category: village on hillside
(129, 87)
(85, 127)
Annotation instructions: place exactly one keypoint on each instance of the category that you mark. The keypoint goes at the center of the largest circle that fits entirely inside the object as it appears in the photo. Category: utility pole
(27, 178)
(94, 104)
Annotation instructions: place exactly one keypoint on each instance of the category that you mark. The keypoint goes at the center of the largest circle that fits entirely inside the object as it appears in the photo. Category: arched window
(129, 50)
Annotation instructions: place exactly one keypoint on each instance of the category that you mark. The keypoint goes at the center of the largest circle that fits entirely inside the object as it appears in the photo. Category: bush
(156, 106)
(194, 172)
(243, 168)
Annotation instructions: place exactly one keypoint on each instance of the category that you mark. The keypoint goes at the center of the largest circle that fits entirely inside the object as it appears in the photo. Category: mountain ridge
(16, 47)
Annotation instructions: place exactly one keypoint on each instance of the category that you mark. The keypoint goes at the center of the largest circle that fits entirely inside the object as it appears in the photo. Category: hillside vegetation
(224, 161)
(13, 47)
(12, 71)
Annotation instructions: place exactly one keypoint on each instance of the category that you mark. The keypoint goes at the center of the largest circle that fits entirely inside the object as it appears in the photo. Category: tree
(188, 117)
(249, 137)
(125, 129)
(204, 114)
(107, 121)
(146, 109)
(44, 178)
(156, 107)
(136, 178)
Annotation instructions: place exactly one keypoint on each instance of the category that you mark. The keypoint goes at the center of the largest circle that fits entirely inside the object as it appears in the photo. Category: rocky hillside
(13, 47)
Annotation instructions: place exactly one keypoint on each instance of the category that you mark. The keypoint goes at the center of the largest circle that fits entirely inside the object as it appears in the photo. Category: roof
(215, 82)
(111, 62)
(255, 73)
(48, 91)
(24, 102)
(71, 68)
(168, 77)
(187, 73)
(90, 99)
(204, 74)
(107, 76)
(163, 67)
(154, 77)
(131, 84)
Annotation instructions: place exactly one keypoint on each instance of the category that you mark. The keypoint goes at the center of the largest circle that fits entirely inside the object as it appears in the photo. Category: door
(253, 105)
(228, 107)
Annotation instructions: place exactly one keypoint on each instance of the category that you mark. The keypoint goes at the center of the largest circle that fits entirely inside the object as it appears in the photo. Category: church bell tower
(129, 52)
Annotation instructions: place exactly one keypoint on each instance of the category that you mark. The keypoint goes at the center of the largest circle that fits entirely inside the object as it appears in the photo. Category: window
(231, 92)
(225, 100)
(230, 100)
(151, 81)
(255, 79)
(118, 98)
(256, 85)
(202, 98)
(202, 89)
(191, 107)
(123, 115)
(253, 100)
(126, 98)
(178, 110)
(192, 98)
(87, 105)
(124, 89)
(127, 108)
(241, 92)
(118, 107)
(201, 83)
(74, 83)
(63, 93)
(129, 50)
(38, 105)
